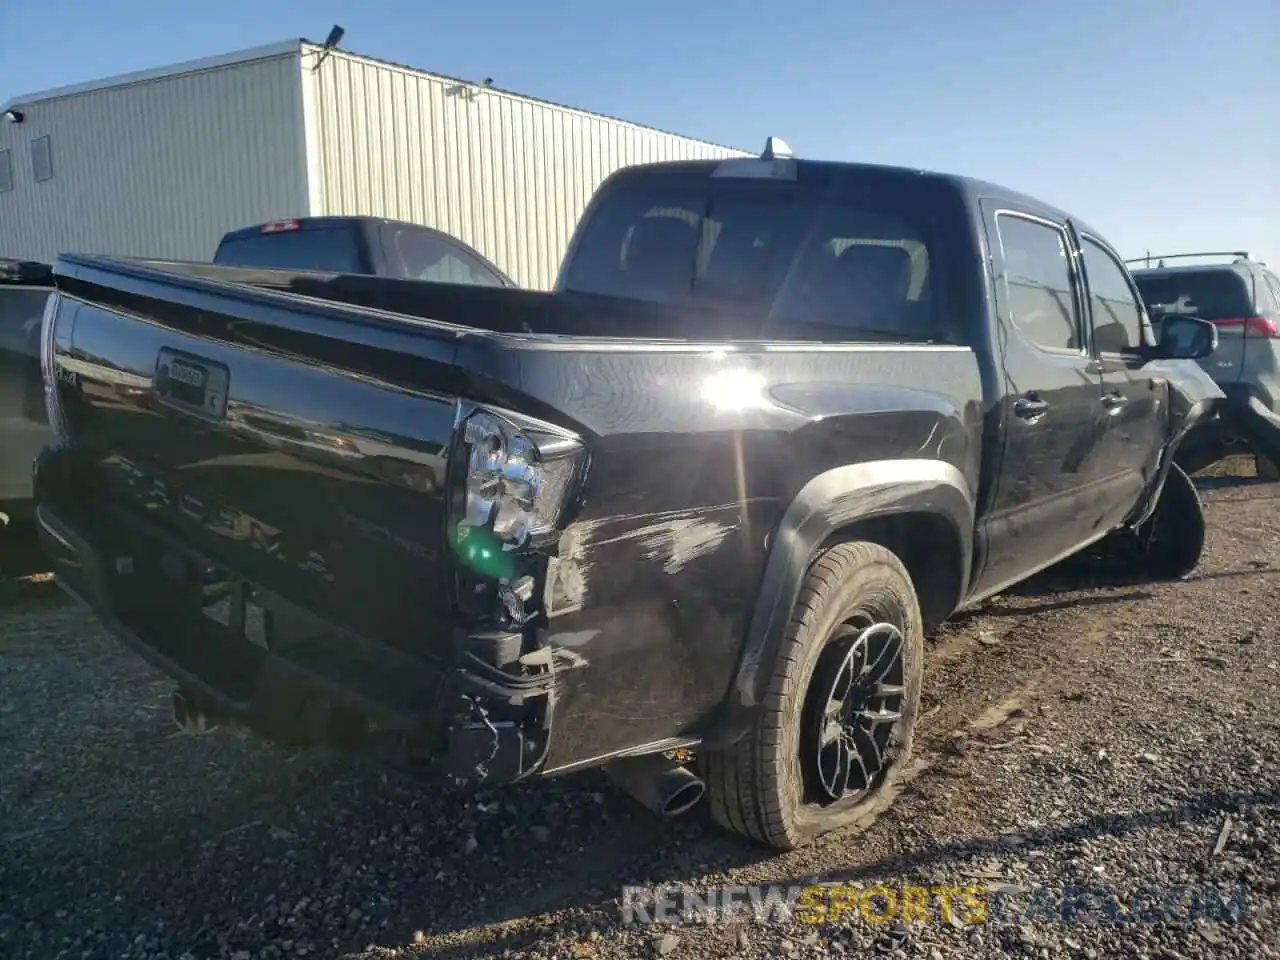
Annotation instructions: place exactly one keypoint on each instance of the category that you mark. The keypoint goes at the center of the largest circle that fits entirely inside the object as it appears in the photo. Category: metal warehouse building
(162, 163)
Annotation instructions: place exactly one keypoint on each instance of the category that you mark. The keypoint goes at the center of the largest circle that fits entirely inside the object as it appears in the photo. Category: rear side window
(1037, 281)
(331, 250)
(782, 254)
(1117, 315)
(424, 256)
(1207, 294)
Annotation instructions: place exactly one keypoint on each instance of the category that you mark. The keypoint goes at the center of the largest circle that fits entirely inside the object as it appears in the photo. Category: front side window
(1037, 280)
(781, 254)
(1117, 315)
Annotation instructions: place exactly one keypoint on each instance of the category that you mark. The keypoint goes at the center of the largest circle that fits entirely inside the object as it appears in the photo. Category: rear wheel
(836, 729)
(1173, 539)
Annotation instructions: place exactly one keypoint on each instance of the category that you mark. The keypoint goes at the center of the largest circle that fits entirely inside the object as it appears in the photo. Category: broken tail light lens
(518, 480)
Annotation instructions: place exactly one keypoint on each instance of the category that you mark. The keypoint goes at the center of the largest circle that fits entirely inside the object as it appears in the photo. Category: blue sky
(1157, 121)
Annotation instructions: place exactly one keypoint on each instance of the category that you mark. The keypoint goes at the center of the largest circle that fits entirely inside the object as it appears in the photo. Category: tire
(762, 786)
(1173, 539)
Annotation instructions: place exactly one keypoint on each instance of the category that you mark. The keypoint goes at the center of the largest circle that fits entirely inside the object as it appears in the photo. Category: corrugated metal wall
(160, 167)
(507, 174)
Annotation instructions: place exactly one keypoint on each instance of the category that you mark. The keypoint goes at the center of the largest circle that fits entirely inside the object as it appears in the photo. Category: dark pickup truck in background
(360, 245)
(688, 517)
(25, 287)
(356, 245)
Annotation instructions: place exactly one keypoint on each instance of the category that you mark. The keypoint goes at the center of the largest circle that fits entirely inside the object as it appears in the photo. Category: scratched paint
(673, 539)
(676, 543)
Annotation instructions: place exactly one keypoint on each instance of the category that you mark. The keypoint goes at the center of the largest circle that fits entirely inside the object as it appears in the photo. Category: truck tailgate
(228, 415)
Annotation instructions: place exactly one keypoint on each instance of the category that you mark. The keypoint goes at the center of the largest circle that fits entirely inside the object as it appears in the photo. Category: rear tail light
(519, 476)
(1255, 326)
(49, 368)
(280, 226)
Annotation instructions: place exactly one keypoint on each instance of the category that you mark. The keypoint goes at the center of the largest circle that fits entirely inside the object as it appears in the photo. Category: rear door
(1262, 345)
(1046, 500)
(1132, 393)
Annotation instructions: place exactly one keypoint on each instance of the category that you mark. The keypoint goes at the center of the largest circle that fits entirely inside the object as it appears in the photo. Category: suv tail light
(1257, 326)
(518, 479)
(49, 368)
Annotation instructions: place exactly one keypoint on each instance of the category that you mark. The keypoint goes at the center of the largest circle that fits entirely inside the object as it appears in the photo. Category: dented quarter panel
(697, 452)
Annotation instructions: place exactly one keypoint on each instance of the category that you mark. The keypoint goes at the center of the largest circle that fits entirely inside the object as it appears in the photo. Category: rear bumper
(323, 685)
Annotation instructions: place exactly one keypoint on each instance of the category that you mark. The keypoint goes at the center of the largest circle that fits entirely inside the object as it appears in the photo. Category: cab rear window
(333, 250)
(786, 254)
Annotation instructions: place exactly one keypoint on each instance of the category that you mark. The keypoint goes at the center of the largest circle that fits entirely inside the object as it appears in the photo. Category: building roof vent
(775, 148)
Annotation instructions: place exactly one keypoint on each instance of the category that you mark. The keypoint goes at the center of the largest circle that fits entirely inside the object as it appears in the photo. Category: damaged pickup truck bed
(688, 517)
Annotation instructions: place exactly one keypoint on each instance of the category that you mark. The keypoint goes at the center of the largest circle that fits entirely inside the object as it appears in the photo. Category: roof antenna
(330, 43)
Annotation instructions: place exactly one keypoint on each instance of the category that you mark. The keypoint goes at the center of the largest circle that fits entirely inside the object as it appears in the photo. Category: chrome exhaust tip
(662, 784)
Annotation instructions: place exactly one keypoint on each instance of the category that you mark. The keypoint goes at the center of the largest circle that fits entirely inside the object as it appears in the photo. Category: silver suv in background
(1241, 297)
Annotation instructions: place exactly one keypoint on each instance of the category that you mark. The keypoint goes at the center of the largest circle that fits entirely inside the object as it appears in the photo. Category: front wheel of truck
(1173, 539)
(831, 744)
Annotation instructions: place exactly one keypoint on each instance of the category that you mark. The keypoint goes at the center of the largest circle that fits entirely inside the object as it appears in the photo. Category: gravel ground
(1083, 732)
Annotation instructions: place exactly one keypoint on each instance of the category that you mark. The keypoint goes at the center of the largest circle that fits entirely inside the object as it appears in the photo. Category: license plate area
(192, 384)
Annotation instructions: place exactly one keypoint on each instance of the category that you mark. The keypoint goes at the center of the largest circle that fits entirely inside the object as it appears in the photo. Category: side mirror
(1185, 338)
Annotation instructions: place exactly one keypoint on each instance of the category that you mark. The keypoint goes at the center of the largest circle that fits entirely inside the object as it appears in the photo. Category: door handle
(1029, 409)
(1114, 401)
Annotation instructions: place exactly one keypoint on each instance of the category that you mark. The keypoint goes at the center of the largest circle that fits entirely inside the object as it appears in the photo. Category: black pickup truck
(365, 245)
(688, 517)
